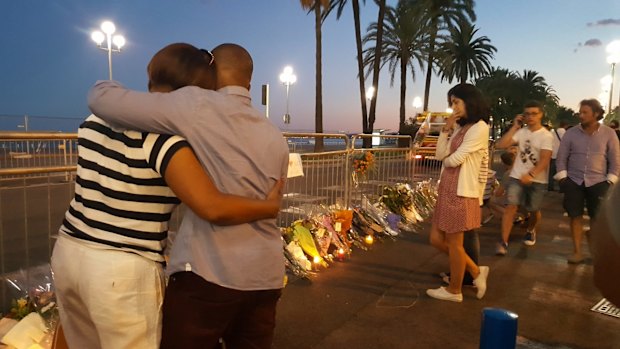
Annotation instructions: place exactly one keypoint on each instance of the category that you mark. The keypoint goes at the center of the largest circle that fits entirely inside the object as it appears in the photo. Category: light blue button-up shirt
(589, 159)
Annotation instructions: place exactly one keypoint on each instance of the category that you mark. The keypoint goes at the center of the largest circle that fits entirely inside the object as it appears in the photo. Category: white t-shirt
(558, 133)
(530, 144)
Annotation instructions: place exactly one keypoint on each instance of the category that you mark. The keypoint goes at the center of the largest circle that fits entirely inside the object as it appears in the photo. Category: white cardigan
(469, 155)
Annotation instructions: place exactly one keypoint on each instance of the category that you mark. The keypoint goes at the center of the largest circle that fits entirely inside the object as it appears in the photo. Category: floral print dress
(453, 213)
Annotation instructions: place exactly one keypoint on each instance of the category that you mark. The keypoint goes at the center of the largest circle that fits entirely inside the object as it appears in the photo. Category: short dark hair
(508, 158)
(476, 106)
(534, 104)
(595, 105)
(178, 65)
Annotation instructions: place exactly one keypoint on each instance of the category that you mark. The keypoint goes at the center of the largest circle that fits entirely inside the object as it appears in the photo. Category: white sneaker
(481, 281)
(444, 295)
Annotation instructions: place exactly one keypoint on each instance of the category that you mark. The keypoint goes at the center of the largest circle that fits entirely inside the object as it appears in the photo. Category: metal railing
(35, 192)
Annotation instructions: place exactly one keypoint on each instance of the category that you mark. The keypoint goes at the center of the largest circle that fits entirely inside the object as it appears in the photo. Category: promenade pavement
(377, 299)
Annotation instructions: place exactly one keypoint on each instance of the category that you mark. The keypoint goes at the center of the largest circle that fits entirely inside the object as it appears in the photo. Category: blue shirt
(589, 159)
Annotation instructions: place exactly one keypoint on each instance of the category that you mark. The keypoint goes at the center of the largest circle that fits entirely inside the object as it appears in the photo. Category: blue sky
(48, 61)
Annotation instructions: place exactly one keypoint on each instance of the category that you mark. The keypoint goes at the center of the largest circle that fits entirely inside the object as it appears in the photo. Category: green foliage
(462, 55)
(507, 91)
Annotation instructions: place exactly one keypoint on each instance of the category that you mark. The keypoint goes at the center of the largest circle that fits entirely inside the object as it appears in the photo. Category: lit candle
(369, 239)
(341, 254)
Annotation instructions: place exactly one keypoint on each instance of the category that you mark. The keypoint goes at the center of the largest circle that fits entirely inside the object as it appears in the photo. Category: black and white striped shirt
(121, 199)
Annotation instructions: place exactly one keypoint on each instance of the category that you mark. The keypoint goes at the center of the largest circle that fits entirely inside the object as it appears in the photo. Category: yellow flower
(21, 303)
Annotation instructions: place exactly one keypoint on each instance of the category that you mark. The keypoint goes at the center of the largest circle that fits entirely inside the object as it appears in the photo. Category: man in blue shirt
(588, 163)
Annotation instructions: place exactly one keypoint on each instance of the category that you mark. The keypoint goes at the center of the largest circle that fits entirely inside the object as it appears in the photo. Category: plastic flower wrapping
(33, 317)
(412, 205)
(329, 234)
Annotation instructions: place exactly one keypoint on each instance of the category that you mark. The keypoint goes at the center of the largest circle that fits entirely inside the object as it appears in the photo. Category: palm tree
(317, 5)
(339, 5)
(441, 14)
(404, 43)
(463, 55)
(508, 91)
(375, 69)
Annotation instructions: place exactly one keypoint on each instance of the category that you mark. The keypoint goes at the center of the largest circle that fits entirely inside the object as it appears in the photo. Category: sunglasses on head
(208, 53)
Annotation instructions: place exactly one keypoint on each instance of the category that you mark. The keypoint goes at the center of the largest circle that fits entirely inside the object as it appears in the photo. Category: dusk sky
(48, 61)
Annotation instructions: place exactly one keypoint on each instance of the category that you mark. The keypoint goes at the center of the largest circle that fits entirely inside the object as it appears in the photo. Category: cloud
(604, 22)
(593, 43)
(588, 43)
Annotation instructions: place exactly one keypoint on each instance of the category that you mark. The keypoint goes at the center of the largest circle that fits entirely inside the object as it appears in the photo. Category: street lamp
(417, 102)
(370, 92)
(613, 48)
(613, 59)
(108, 29)
(287, 78)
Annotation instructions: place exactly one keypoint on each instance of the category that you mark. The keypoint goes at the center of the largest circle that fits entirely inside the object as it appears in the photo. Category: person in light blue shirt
(588, 163)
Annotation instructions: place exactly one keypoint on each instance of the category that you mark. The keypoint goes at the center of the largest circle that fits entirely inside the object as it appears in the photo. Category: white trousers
(107, 299)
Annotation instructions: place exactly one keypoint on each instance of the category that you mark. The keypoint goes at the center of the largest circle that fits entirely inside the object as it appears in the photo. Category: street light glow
(370, 92)
(119, 41)
(287, 78)
(108, 27)
(417, 102)
(97, 37)
(613, 47)
(106, 39)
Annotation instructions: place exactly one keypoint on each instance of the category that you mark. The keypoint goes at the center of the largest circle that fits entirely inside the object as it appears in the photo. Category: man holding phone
(529, 174)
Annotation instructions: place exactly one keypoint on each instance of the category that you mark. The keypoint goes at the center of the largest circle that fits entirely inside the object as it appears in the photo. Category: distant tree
(441, 14)
(567, 115)
(462, 55)
(508, 91)
(317, 6)
(405, 39)
(339, 5)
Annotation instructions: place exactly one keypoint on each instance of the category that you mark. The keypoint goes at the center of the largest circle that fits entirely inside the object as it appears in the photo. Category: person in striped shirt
(108, 260)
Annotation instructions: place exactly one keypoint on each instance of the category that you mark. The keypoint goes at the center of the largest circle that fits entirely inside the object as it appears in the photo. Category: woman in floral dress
(462, 146)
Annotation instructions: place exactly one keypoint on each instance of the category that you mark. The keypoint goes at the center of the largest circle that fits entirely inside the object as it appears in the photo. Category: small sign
(607, 308)
(295, 166)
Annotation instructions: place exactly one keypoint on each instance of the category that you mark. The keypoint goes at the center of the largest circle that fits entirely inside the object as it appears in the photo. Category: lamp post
(108, 28)
(605, 96)
(613, 60)
(613, 48)
(287, 78)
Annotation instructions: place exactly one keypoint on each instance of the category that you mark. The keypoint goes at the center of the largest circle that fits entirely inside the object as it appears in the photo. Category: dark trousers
(197, 313)
(471, 244)
(552, 171)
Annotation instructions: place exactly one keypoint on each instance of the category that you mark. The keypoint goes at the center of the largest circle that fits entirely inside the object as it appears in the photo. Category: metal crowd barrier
(37, 179)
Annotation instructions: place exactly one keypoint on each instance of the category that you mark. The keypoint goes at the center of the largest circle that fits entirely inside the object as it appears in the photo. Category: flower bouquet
(363, 165)
(400, 200)
(33, 316)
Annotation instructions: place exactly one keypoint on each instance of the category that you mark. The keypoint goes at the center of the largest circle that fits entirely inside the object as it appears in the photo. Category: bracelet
(531, 175)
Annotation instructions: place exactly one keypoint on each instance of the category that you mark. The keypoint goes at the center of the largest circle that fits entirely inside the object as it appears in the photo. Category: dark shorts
(197, 313)
(575, 196)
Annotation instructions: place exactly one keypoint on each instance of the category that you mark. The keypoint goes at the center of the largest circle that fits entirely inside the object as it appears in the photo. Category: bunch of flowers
(363, 163)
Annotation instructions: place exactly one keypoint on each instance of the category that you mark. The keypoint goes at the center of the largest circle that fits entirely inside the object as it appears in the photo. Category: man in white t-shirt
(530, 172)
(557, 133)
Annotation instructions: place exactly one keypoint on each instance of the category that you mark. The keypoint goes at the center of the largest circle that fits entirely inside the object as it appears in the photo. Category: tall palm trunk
(403, 89)
(318, 146)
(360, 63)
(429, 64)
(375, 69)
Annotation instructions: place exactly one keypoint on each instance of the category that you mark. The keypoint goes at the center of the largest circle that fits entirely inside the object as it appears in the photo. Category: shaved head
(233, 66)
